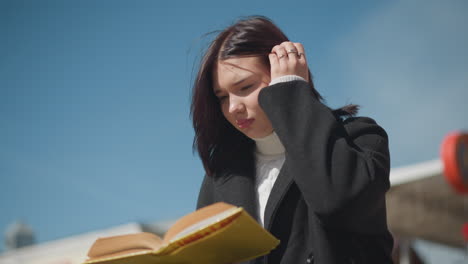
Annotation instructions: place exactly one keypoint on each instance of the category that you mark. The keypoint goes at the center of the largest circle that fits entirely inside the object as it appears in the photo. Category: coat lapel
(280, 188)
(239, 190)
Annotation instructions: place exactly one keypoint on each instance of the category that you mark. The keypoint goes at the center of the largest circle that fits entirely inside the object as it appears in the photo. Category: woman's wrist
(286, 78)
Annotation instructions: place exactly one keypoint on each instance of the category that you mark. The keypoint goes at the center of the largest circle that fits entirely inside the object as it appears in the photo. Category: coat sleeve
(340, 167)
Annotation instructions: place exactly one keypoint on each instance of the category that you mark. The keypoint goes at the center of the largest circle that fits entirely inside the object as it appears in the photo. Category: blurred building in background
(18, 235)
(425, 217)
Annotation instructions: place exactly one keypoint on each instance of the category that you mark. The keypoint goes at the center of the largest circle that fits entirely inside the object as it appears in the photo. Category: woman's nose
(236, 105)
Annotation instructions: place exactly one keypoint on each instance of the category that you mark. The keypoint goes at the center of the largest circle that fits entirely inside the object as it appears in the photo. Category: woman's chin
(258, 135)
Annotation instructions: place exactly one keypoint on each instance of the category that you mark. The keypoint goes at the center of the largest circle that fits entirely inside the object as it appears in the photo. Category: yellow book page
(241, 239)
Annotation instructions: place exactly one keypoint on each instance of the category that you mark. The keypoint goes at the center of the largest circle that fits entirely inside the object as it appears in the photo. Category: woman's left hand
(288, 58)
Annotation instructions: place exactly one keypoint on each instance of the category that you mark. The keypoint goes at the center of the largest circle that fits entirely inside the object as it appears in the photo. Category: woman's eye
(246, 87)
(222, 98)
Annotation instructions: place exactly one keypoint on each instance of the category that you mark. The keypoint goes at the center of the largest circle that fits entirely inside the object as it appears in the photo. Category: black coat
(328, 202)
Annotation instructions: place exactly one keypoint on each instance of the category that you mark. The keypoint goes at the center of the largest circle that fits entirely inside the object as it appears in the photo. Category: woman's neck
(269, 145)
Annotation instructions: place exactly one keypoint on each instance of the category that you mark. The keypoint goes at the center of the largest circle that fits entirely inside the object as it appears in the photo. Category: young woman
(314, 178)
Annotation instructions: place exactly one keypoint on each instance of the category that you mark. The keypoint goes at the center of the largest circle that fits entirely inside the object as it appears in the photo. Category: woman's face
(236, 83)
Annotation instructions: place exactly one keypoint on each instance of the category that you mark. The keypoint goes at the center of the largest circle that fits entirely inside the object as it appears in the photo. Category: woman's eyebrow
(240, 81)
(217, 91)
(245, 77)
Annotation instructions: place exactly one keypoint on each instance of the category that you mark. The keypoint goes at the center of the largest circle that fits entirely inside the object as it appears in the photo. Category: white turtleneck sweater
(269, 160)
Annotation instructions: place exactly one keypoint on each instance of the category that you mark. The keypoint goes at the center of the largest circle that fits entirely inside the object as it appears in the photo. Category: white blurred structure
(422, 204)
(71, 250)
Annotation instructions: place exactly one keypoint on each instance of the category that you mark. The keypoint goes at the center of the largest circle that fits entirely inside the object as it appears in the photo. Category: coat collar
(239, 189)
(279, 190)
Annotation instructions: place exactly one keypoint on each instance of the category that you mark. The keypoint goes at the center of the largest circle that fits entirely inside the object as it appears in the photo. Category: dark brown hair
(220, 146)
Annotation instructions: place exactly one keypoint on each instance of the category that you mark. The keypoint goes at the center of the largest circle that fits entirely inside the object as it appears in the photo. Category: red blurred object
(465, 231)
(454, 153)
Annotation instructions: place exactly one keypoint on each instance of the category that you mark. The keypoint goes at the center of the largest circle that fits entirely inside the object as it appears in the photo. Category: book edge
(172, 243)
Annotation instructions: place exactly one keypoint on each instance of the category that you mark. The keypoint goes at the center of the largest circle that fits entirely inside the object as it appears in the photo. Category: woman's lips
(244, 123)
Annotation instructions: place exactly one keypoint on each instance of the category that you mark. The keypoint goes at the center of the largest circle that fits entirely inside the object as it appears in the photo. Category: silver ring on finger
(297, 53)
(281, 56)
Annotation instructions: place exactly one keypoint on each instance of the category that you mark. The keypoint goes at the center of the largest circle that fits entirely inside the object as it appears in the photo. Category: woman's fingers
(278, 61)
(300, 52)
(302, 60)
(274, 65)
(289, 59)
(282, 56)
(291, 50)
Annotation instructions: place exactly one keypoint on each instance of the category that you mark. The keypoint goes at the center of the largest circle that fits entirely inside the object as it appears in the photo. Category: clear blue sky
(94, 95)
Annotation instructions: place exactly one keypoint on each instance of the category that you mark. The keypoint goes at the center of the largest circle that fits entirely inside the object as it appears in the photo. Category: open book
(216, 234)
